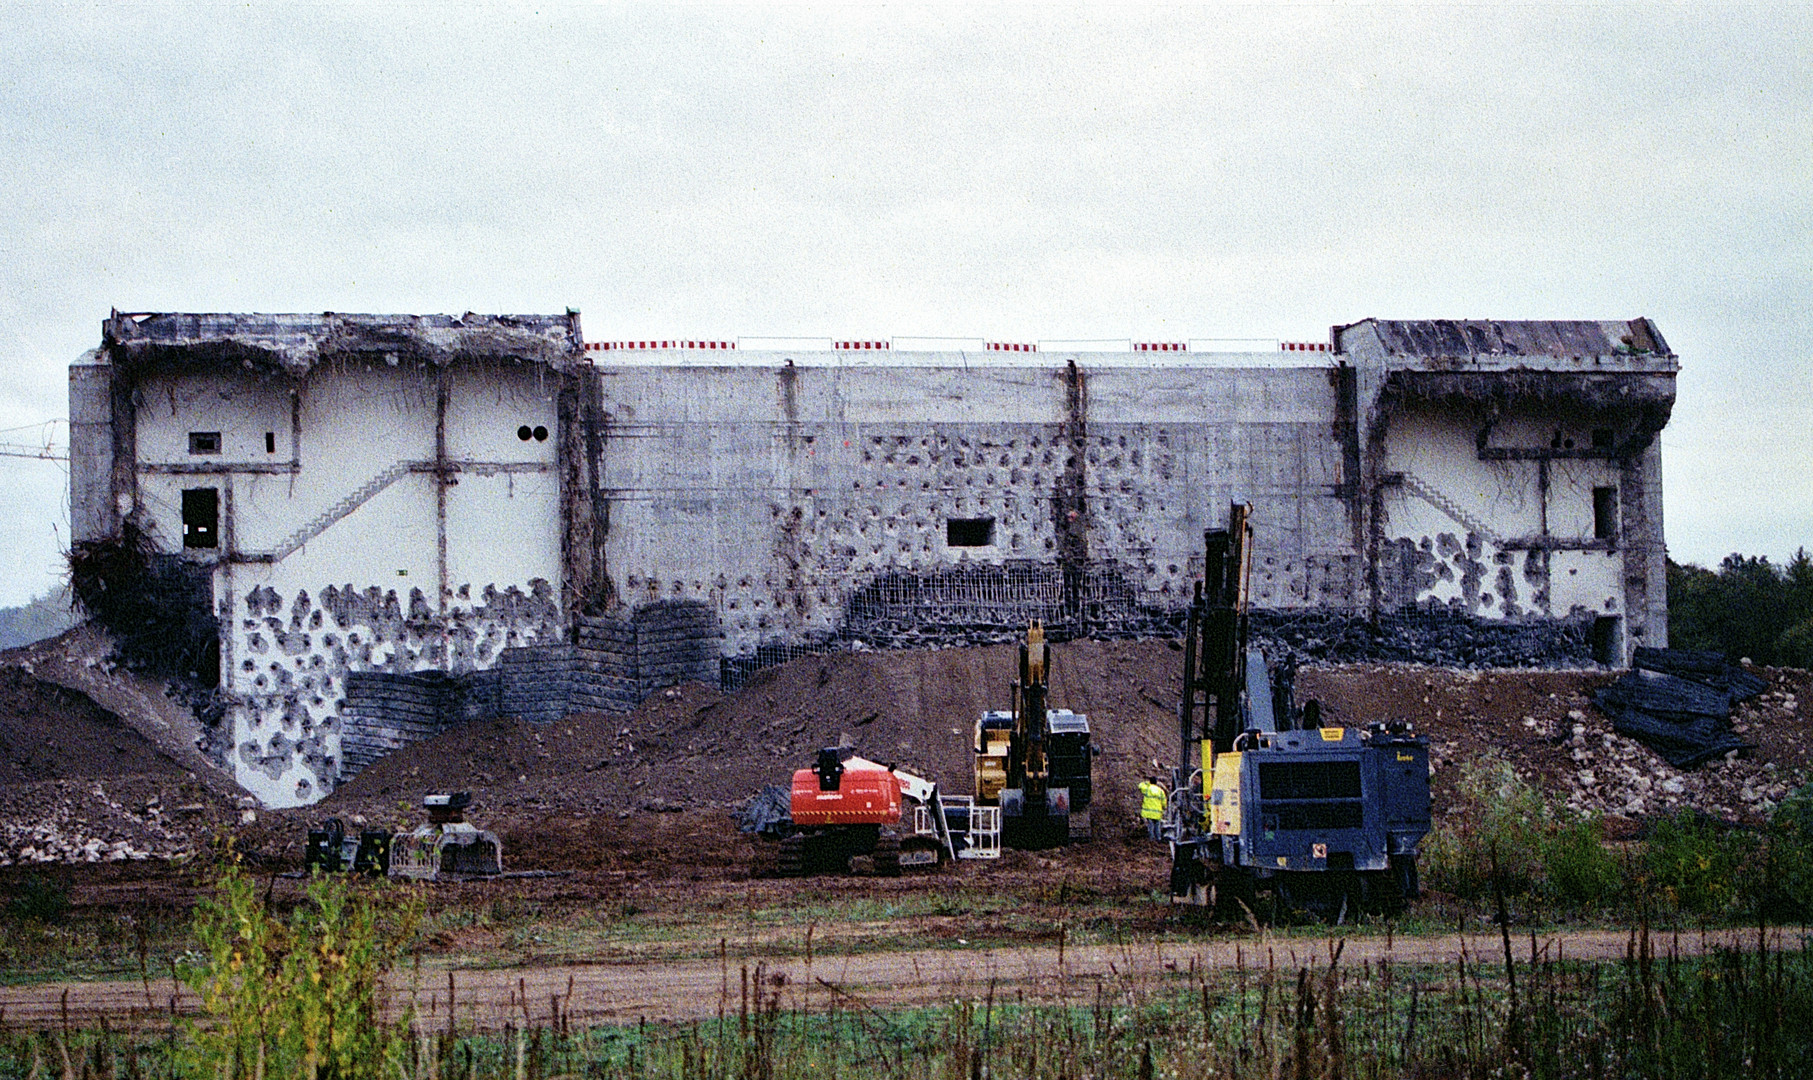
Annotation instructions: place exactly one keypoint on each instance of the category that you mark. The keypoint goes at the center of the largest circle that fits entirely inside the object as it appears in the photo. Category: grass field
(1739, 1012)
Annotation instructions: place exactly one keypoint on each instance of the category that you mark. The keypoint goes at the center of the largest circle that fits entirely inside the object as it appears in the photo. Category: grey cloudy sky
(1016, 173)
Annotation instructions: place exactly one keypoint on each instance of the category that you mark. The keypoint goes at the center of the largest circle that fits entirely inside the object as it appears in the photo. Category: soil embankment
(90, 754)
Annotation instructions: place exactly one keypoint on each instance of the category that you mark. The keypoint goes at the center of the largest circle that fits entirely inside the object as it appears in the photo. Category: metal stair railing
(1447, 506)
(325, 520)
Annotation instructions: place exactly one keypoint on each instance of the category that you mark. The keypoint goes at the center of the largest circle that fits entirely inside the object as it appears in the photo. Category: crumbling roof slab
(295, 343)
(1486, 341)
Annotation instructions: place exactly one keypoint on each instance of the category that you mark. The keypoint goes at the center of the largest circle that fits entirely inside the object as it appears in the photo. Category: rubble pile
(1437, 636)
(85, 822)
(1621, 776)
(79, 784)
(766, 810)
(1679, 704)
(1545, 725)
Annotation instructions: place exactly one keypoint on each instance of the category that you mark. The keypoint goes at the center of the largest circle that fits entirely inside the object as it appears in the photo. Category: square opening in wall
(969, 532)
(1605, 513)
(204, 442)
(201, 517)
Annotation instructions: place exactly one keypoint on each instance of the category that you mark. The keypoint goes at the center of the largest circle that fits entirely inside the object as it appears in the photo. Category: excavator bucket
(447, 844)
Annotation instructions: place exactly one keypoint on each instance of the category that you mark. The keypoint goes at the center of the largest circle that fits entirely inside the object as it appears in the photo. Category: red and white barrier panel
(1160, 346)
(1012, 346)
(622, 346)
(1303, 346)
(853, 345)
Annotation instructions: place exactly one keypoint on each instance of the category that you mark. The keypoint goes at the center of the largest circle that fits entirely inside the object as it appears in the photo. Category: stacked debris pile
(64, 821)
(1437, 636)
(1678, 703)
(769, 811)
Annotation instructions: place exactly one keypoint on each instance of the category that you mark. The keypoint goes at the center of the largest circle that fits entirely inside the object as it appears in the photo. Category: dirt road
(696, 990)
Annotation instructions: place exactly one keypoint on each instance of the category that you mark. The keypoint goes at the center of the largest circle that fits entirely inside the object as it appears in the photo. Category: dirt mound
(1545, 724)
(79, 784)
(690, 747)
(82, 660)
(48, 732)
(648, 792)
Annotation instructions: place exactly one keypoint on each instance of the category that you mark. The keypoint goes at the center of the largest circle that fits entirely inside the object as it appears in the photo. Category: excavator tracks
(887, 856)
(790, 860)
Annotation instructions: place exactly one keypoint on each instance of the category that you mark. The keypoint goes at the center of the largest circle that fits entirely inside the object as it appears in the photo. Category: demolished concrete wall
(369, 494)
(1514, 471)
(794, 491)
(385, 503)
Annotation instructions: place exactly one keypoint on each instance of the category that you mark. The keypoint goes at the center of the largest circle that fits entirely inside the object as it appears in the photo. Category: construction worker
(1152, 806)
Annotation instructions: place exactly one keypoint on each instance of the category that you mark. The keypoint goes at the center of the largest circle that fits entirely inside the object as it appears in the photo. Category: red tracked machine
(847, 806)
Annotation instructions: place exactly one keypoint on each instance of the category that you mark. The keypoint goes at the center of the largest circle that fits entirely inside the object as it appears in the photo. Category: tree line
(1749, 608)
(45, 616)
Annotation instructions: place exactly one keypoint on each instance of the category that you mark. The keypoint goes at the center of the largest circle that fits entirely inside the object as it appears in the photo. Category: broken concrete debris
(1679, 702)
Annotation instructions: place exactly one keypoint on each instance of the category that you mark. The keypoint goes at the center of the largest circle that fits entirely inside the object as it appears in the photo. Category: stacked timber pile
(1678, 703)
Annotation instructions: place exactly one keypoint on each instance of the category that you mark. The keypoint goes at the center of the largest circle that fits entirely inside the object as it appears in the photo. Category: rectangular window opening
(969, 532)
(1605, 513)
(201, 517)
(270, 442)
(204, 442)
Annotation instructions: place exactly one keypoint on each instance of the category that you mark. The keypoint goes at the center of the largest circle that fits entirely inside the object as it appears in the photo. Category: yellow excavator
(1034, 762)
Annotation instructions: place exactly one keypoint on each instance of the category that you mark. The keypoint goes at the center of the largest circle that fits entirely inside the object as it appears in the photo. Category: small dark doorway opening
(201, 517)
(1605, 640)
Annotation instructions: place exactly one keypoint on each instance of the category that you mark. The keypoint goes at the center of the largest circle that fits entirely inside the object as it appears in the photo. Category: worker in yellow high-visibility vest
(1152, 806)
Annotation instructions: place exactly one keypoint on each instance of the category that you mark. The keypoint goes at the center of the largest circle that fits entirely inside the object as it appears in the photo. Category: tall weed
(1787, 865)
(1579, 871)
(1696, 864)
(1503, 825)
(299, 997)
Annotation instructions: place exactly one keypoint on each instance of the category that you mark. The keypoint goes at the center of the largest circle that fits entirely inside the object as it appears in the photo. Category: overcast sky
(1015, 173)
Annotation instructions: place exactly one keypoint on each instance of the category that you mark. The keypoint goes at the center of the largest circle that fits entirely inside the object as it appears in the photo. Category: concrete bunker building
(402, 521)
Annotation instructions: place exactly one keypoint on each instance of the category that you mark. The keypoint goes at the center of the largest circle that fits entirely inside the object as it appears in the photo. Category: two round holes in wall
(538, 433)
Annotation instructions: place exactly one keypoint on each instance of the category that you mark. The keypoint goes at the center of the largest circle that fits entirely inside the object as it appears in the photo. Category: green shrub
(1539, 847)
(1580, 871)
(1498, 818)
(39, 898)
(1693, 863)
(300, 997)
(1785, 889)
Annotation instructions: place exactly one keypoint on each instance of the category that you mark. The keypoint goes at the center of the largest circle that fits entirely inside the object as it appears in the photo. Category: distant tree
(45, 616)
(1749, 607)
